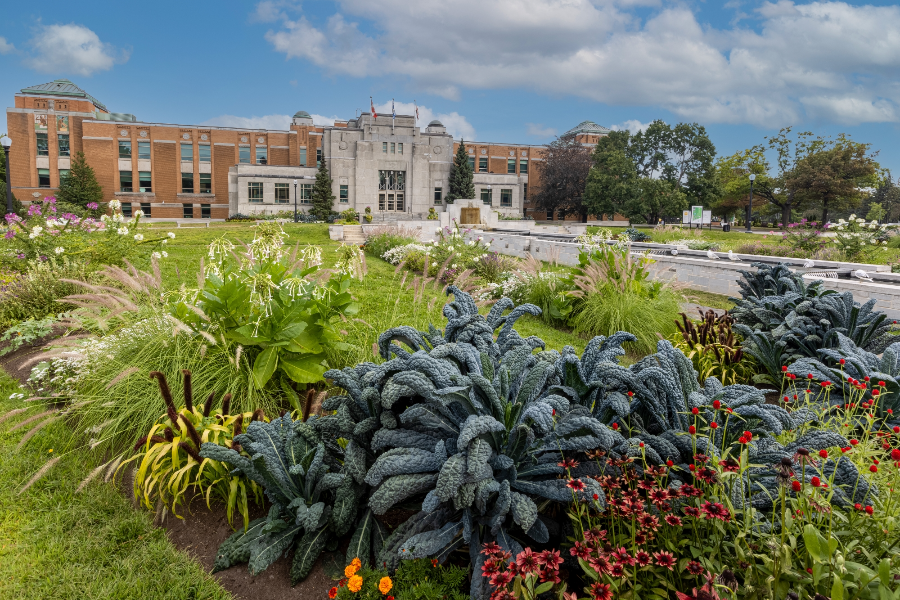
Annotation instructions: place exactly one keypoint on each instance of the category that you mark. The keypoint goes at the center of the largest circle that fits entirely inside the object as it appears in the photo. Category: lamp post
(9, 196)
(750, 204)
(295, 201)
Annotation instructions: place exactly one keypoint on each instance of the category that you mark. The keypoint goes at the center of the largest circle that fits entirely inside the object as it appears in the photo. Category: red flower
(842, 361)
(875, 392)
(881, 383)
(743, 440)
(730, 466)
(501, 579)
(642, 558)
(692, 430)
(795, 485)
(823, 453)
(617, 570)
(809, 376)
(694, 568)
(648, 521)
(716, 404)
(600, 591)
(714, 425)
(854, 442)
(896, 429)
(695, 411)
(857, 506)
(748, 435)
(567, 464)
(673, 520)
(715, 510)
(596, 496)
(615, 426)
(600, 564)
(669, 463)
(490, 548)
(550, 559)
(664, 559)
(332, 593)
(434, 562)
(527, 561)
(575, 484)
(895, 454)
(783, 368)
(630, 393)
(692, 511)
(658, 495)
(873, 468)
(869, 510)
(815, 482)
(580, 550)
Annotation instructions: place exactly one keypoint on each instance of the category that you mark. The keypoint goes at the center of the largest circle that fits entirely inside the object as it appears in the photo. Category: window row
(395, 147)
(282, 192)
(43, 144)
(143, 150)
(510, 165)
(487, 197)
(187, 183)
(126, 181)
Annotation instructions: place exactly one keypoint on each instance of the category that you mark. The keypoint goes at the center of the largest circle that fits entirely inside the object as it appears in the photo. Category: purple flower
(20, 256)
(10, 234)
(34, 210)
(92, 205)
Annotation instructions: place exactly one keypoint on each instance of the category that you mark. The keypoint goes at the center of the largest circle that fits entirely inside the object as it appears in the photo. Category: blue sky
(517, 71)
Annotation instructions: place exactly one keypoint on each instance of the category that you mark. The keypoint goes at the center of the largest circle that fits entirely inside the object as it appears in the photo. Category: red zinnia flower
(664, 559)
(332, 593)
(600, 591)
(694, 568)
(673, 520)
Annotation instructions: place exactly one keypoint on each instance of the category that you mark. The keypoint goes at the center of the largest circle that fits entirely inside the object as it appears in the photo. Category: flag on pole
(393, 112)
(417, 111)
(374, 114)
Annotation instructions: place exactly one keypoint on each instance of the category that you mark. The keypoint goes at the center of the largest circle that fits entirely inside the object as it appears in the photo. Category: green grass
(56, 544)
(708, 299)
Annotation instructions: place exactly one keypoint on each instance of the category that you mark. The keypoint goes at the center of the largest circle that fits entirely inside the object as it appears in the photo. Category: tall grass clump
(381, 239)
(613, 293)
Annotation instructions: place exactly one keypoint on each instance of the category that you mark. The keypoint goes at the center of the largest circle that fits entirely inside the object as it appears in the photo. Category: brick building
(390, 165)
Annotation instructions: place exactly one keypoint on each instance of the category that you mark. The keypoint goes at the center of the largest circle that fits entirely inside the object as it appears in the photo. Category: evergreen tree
(17, 206)
(81, 186)
(461, 182)
(322, 195)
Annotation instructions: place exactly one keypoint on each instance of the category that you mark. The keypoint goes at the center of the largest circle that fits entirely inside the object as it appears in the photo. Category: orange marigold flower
(355, 584)
(385, 585)
(350, 570)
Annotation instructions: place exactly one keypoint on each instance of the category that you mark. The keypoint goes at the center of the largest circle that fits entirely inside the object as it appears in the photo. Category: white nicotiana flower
(453, 266)
(165, 254)
(156, 255)
(434, 264)
(122, 231)
(59, 250)
(476, 259)
(853, 216)
(139, 237)
(164, 242)
(471, 243)
(139, 213)
(480, 238)
(115, 204)
(171, 235)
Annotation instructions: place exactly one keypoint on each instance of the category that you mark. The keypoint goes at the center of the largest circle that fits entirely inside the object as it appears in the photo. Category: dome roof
(435, 123)
(302, 114)
(587, 127)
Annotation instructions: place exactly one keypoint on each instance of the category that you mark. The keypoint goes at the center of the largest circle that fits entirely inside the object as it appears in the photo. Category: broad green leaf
(837, 589)
(544, 587)
(884, 572)
(813, 543)
(264, 366)
(308, 369)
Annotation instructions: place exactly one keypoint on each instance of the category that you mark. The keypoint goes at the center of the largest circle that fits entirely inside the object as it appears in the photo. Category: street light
(750, 204)
(295, 201)
(9, 196)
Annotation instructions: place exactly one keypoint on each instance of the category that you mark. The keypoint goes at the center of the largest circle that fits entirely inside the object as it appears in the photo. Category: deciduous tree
(563, 175)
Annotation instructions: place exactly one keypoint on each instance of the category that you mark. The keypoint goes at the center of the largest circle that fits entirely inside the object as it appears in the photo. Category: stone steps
(353, 235)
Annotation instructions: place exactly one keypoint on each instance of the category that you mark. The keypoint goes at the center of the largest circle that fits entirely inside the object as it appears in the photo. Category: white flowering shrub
(858, 239)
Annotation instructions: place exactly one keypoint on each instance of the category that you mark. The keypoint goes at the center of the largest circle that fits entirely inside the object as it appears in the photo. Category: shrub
(169, 466)
(381, 239)
(858, 240)
(635, 235)
(350, 216)
(37, 291)
(804, 237)
(420, 579)
(532, 283)
(695, 244)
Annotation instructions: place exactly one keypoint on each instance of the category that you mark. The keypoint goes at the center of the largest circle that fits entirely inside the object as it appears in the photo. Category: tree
(657, 198)
(322, 196)
(563, 175)
(462, 185)
(81, 186)
(835, 178)
(887, 195)
(733, 174)
(782, 188)
(611, 183)
(17, 206)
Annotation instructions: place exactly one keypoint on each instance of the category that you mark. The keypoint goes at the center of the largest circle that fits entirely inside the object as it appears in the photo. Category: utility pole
(295, 201)
(9, 196)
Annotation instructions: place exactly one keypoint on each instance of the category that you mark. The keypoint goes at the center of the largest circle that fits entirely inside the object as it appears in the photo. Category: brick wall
(223, 159)
(166, 171)
(102, 156)
(22, 151)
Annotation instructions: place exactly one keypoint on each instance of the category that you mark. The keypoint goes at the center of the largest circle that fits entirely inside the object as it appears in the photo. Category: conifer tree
(17, 206)
(461, 183)
(81, 186)
(322, 199)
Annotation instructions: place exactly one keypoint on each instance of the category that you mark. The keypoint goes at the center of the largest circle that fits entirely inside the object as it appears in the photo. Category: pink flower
(527, 561)
(10, 234)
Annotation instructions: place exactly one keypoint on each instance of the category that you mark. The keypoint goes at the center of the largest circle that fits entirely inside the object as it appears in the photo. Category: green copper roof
(587, 127)
(302, 114)
(62, 87)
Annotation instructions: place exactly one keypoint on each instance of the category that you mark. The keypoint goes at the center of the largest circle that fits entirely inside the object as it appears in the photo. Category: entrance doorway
(391, 202)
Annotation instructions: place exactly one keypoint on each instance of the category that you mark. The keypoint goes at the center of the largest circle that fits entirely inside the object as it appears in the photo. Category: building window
(524, 192)
(381, 201)
(345, 194)
(505, 197)
(391, 180)
(244, 155)
(482, 165)
(262, 155)
(44, 178)
(438, 195)
(143, 150)
(511, 166)
(255, 191)
(523, 166)
(187, 183)
(393, 148)
(63, 173)
(205, 212)
(187, 211)
(400, 148)
(187, 152)
(144, 182)
(305, 193)
(282, 193)
(145, 208)
(472, 163)
(318, 157)
(43, 148)
(302, 157)
(204, 151)
(384, 147)
(205, 183)
(124, 149)
(125, 181)
(126, 209)
(400, 202)
(62, 141)
(487, 196)
(549, 215)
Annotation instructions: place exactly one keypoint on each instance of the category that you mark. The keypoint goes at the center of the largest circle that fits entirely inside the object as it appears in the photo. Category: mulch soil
(202, 529)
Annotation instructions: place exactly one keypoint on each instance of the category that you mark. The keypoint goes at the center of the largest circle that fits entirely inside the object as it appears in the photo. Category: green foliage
(859, 240)
(322, 196)
(351, 215)
(168, 466)
(635, 235)
(804, 238)
(17, 205)
(36, 292)
(876, 212)
(713, 348)
(310, 502)
(80, 188)
(379, 243)
(26, 332)
(266, 301)
(432, 214)
(461, 176)
(414, 580)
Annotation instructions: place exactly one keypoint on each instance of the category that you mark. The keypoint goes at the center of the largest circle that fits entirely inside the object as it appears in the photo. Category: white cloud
(632, 125)
(457, 125)
(71, 49)
(269, 122)
(268, 11)
(5, 47)
(538, 130)
(791, 61)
